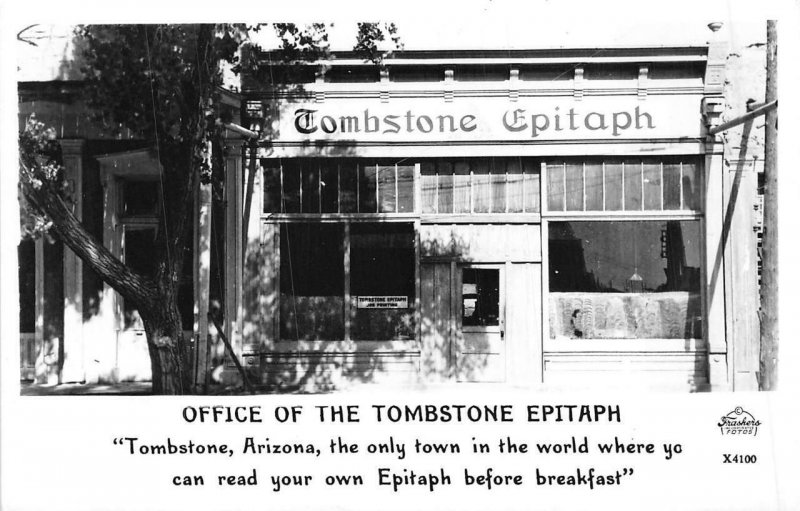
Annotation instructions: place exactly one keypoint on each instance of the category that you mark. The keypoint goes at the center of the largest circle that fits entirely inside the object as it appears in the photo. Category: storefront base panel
(315, 372)
(647, 371)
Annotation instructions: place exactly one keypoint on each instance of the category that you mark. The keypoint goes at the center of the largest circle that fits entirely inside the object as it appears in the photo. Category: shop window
(625, 279)
(380, 275)
(337, 186)
(481, 185)
(382, 280)
(312, 281)
(624, 185)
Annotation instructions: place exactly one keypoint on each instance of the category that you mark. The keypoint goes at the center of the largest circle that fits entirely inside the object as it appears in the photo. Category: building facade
(539, 218)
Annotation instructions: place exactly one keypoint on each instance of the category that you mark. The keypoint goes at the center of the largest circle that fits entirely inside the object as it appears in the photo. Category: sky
(480, 24)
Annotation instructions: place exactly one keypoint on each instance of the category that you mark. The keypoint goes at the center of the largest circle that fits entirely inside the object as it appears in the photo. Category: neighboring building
(553, 217)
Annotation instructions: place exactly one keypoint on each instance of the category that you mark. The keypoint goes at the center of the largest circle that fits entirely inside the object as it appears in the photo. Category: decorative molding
(513, 85)
(577, 83)
(642, 84)
(449, 79)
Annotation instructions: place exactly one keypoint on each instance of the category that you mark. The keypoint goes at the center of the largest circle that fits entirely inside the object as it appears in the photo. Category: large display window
(625, 280)
(347, 281)
(624, 248)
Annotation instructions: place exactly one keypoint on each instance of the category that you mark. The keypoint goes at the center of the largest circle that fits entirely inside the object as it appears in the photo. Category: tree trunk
(170, 356)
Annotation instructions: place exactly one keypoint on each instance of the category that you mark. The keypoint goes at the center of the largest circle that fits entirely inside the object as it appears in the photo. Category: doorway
(480, 323)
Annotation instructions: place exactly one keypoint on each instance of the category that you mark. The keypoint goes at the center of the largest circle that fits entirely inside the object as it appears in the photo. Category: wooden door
(437, 321)
(480, 323)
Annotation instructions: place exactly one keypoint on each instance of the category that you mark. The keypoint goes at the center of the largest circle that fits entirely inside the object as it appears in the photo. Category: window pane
(310, 175)
(367, 181)
(594, 186)
(446, 185)
(387, 193)
(291, 187)
(140, 198)
(272, 189)
(672, 186)
(625, 279)
(613, 181)
(515, 188)
(633, 185)
(481, 186)
(555, 187)
(691, 186)
(652, 186)
(405, 188)
(428, 184)
(480, 297)
(498, 167)
(312, 282)
(531, 186)
(382, 265)
(330, 187)
(348, 180)
(574, 186)
(461, 188)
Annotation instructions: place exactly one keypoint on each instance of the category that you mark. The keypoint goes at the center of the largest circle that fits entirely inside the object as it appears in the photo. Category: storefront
(539, 218)
(528, 217)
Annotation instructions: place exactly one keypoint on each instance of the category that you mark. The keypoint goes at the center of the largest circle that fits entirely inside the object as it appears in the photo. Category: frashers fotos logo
(739, 422)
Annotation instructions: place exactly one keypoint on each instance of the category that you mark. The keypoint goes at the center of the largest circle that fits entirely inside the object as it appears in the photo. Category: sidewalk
(79, 389)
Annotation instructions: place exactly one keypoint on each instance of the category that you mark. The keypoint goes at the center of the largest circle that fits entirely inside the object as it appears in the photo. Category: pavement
(79, 389)
(129, 389)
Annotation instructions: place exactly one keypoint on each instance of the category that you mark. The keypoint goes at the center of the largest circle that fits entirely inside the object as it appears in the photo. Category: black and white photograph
(291, 237)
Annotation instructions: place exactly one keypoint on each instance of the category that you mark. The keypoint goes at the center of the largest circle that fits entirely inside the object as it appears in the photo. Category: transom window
(630, 184)
(338, 186)
(480, 185)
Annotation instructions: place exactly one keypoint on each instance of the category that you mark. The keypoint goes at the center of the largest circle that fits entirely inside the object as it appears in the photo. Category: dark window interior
(480, 297)
(382, 264)
(312, 281)
(26, 255)
(619, 257)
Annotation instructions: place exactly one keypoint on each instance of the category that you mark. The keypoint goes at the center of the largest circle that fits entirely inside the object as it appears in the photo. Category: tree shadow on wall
(431, 352)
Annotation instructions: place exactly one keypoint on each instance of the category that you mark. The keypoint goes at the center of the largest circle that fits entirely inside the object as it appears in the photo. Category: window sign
(382, 302)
